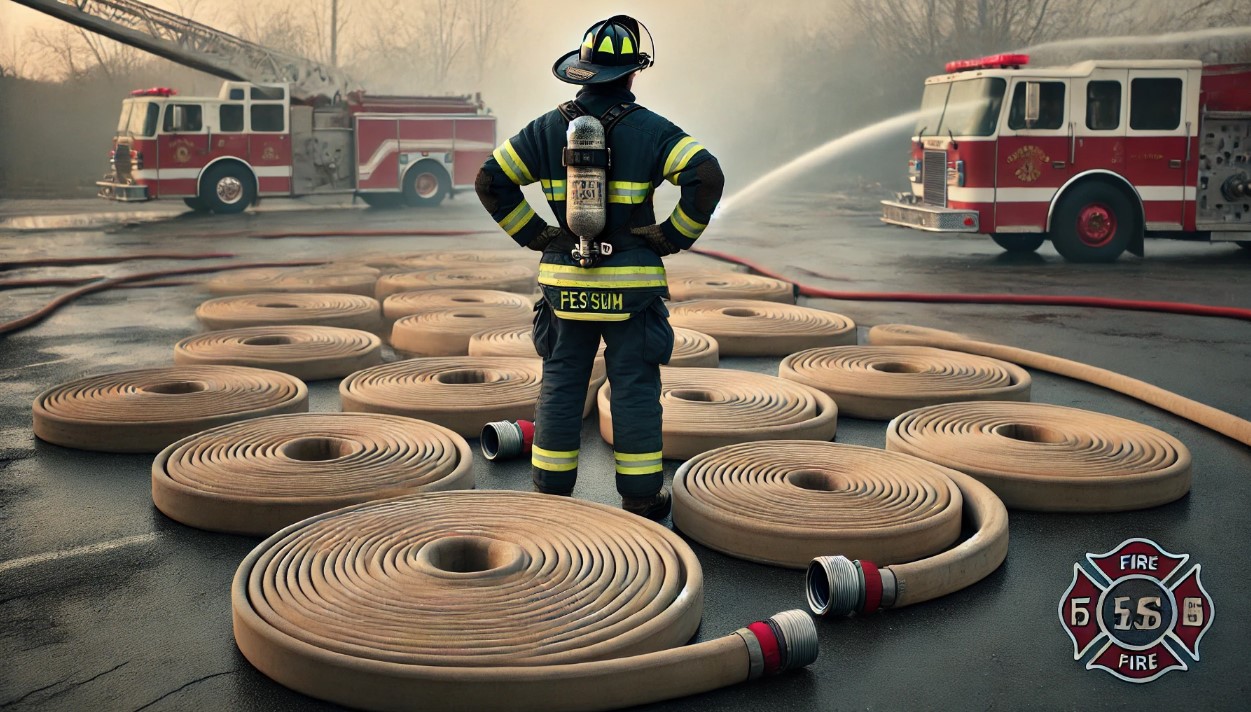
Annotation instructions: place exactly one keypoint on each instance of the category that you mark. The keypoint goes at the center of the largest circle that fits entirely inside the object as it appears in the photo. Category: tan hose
(1224, 423)
(706, 408)
(347, 311)
(310, 353)
(390, 263)
(689, 285)
(1048, 457)
(405, 303)
(257, 477)
(324, 279)
(462, 393)
(745, 327)
(491, 601)
(145, 410)
(880, 382)
(504, 278)
(691, 349)
(447, 332)
(518, 341)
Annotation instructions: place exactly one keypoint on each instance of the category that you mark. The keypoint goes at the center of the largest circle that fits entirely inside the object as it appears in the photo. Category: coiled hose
(492, 601)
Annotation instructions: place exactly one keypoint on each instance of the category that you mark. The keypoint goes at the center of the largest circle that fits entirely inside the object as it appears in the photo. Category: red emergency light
(154, 91)
(995, 61)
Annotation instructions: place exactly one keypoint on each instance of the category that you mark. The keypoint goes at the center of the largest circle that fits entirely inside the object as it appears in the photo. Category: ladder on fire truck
(196, 45)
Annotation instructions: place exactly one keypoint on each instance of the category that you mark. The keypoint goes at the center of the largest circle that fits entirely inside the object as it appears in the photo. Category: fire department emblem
(182, 150)
(1031, 158)
(1123, 614)
(269, 154)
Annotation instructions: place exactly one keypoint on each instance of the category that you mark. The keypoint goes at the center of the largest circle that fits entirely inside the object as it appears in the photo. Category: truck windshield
(962, 108)
(139, 118)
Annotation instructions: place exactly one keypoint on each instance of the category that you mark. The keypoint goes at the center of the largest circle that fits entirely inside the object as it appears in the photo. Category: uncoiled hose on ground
(309, 353)
(1224, 423)
(492, 601)
(260, 476)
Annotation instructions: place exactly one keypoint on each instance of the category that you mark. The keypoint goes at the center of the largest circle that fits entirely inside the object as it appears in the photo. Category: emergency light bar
(995, 61)
(154, 91)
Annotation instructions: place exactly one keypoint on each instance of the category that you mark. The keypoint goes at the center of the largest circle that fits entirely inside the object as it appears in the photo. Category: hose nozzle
(506, 439)
(838, 586)
(786, 641)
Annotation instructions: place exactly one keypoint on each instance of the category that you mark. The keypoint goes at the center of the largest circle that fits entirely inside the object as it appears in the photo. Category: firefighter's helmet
(610, 50)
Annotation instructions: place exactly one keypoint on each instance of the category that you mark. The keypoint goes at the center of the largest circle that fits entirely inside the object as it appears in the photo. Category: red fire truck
(1093, 157)
(253, 140)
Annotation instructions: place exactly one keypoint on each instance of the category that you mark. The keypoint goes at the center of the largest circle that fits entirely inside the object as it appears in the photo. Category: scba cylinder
(586, 173)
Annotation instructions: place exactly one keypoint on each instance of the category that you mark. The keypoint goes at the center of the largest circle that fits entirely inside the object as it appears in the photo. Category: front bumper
(929, 217)
(111, 189)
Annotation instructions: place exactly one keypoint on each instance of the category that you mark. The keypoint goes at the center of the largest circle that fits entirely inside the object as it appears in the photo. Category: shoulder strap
(571, 110)
(616, 113)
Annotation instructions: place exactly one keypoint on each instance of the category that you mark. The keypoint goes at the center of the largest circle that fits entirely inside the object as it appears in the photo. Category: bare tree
(321, 30)
(14, 59)
(487, 22)
(447, 40)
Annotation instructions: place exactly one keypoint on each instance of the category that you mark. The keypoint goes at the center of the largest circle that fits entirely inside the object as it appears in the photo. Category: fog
(757, 83)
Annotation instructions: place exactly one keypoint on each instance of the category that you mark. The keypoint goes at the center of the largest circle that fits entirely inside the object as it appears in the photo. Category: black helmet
(610, 50)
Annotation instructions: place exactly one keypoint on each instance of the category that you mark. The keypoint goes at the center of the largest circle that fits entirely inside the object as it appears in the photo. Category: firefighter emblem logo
(182, 150)
(1136, 612)
(1031, 159)
(269, 154)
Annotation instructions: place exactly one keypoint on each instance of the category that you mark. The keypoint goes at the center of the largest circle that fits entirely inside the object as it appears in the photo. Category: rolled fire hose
(462, 393)
(690, 285)
(447, 332)
(346, 311)
(324, 279)
(259, 476)
(786, 503)
(505, 278)
(880, 382)
(405, 303)
(1048, 457)
(445, 259)
(145, 410)
(519, 342)
(492, 601)
(745, 327)
(692, 349)
(1224, 423)
(706, 408)
(310, 353)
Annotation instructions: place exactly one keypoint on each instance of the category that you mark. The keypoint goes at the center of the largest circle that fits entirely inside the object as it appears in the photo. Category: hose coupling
(506, 439)
(784, 642)
(838, 586)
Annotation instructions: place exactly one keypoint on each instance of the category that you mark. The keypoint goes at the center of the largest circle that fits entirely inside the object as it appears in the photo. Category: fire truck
(282, 125)
(251, 141)
(1093, 157)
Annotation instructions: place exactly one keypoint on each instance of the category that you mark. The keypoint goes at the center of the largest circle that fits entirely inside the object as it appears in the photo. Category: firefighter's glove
(655, 239)
(544, 238)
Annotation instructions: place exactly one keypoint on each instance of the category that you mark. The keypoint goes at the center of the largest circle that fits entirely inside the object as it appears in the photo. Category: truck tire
(1094, 222)
(196, 204)
(425, 185)
(227, 188)
(1019, 244)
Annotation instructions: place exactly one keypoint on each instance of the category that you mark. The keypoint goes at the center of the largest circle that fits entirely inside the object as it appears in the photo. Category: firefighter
(615, 293)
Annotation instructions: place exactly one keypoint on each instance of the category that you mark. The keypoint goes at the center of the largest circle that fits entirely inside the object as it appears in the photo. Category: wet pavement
(105, 604)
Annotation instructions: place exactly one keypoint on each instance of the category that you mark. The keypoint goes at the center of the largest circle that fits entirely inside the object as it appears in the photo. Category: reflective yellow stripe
(554, 460)
(644, 463)
(517, 219)
(622, 191)
(554, 189)
(627, 47)
(589, 41)
(590, 316)
(646, 470)
(574, 269)
(601, 277)
(681, 154)
(606, 45)
(512, 164)
(685, 225)
(636, 457)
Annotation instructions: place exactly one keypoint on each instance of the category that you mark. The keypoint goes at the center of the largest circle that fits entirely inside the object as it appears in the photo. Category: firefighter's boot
(655, 507)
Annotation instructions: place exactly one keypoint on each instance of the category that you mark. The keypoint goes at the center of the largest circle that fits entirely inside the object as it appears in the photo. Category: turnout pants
(636, 348)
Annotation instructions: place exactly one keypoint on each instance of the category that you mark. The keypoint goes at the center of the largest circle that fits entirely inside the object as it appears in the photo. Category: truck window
(143, 118)
(1155, 103)
(932, 102)
(268, 93)
(192, 118)
(124, 122)
(973, 107)
(1103, 105)
(269, 117)
(230, 118)
(1050, 107)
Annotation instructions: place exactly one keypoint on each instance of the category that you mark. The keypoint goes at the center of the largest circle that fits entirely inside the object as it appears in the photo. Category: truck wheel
(1093, 223)
(196, 204)
(1018, 243)
(425, 185)
(228, 189)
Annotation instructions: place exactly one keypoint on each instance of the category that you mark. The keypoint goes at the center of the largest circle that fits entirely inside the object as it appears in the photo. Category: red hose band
(527, 435)
(872, 587)
(768, 645)
(1031, 299)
